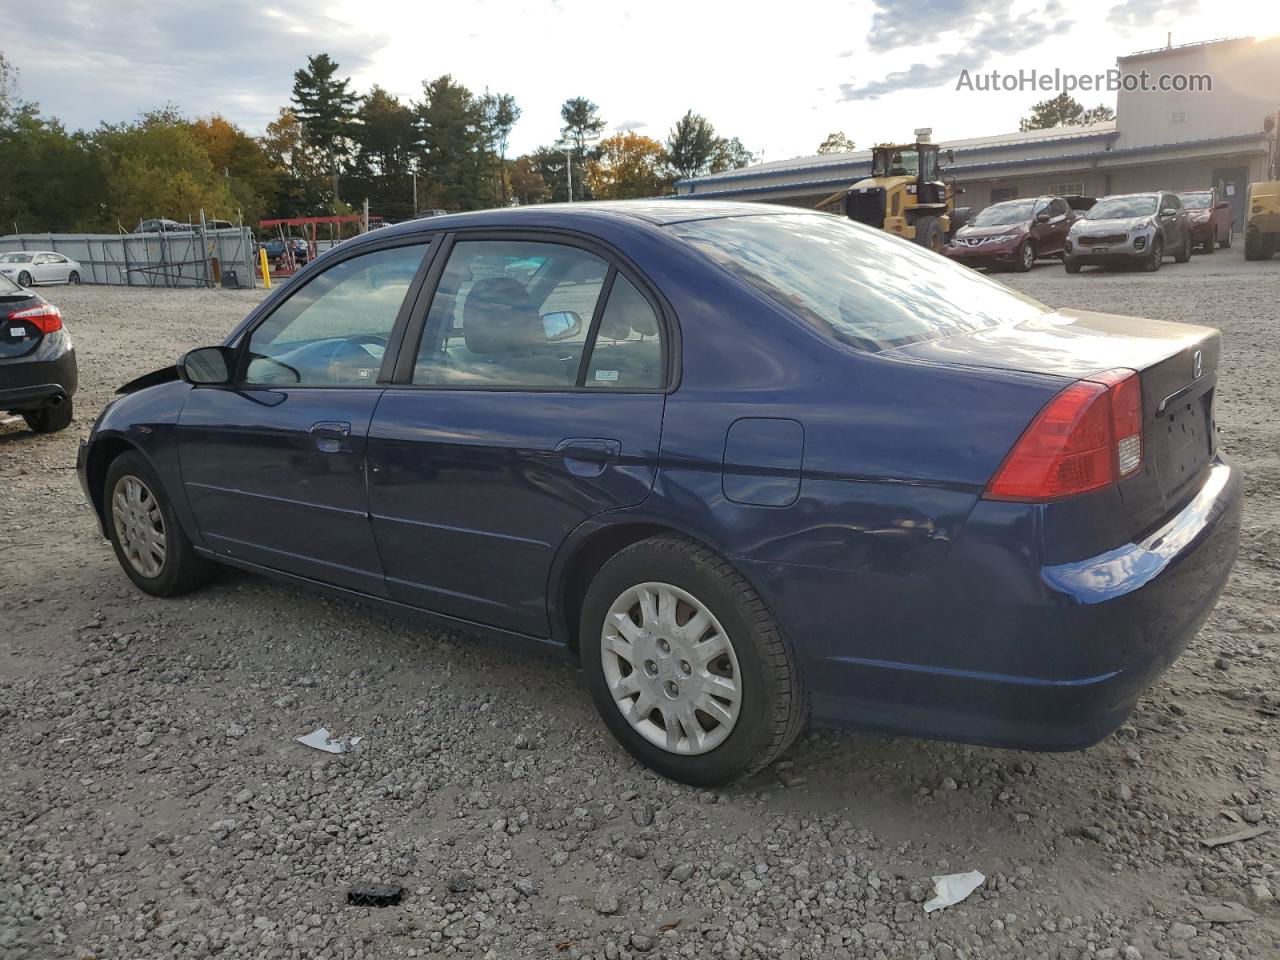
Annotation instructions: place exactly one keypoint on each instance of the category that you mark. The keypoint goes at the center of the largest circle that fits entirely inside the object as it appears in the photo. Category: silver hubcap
(139, 525)
(1028, 257)
(671, 668)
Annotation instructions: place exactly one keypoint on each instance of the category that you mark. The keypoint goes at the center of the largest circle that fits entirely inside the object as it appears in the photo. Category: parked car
(161, 225)
(1013, 234)
(745, 464)
(276, 249)
(1212, 220)
(1130, 228)
(38, 374)
(28, 268)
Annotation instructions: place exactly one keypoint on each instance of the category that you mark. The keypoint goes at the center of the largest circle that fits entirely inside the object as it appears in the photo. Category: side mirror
(561, 325)
(1043, 217)
(1168, 212)
(206, 366)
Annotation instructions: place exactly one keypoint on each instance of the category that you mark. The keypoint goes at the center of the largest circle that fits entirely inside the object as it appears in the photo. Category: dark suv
(38, 373)
(1014, 233)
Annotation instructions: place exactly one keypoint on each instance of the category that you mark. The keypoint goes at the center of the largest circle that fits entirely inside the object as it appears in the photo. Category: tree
(549, 164)
(837, 142)
(8, 87)
(582, 124)
(302, 187)
(241, 160)
(629, 165)
(326, 108)
(500, 115)
(527, 185)
(691, 145)
(52, 180)
(1061, 111)
(454, 163)
(385, 133)
(730, 154)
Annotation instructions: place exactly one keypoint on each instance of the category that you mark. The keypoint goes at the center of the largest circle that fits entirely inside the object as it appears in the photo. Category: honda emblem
(1197, 365)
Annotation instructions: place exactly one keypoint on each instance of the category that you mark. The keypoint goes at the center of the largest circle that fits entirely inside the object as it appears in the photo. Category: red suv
(1211, 219)
(1014, 233)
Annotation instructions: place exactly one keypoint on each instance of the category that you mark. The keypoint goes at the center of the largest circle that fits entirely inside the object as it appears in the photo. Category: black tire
(1152, 263)
(182, 569)
(49, 419)
(1072, 266)
(929, 234)
(774, 703)
(24, 279)
(73, 278)
(1183, 255)
(1026, 257)
(1225, 242)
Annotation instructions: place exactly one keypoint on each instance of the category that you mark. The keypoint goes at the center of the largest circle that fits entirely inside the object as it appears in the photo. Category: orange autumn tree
(629, 165)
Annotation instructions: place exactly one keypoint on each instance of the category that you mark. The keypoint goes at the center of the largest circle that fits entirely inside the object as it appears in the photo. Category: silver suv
(1134, 228)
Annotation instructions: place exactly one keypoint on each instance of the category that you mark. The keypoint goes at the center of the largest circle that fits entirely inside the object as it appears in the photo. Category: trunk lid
(17, 337)
(1176, 363)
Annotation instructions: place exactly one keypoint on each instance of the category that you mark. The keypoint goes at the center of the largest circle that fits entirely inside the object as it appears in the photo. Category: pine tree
(326, 106)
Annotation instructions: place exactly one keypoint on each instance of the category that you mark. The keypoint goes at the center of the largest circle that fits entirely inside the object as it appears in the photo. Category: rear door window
(856, 284)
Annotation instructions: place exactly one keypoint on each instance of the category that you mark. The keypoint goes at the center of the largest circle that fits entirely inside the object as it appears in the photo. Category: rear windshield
(1003, 213)
(1121, 208)
(8, 287)
(1195, 201)
(856, 284)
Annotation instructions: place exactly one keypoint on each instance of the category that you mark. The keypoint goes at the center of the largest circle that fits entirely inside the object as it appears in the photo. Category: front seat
(505, 339)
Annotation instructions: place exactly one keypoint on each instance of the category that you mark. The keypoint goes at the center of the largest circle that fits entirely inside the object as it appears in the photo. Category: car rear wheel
(24, 279)
(149, 542)
(686, 665)
(1072, 266)
(1225, 242)
(49, 419)
(1157, 255)
(1210, 245)
(1183, 255)
(73, 277)
(1026, 257)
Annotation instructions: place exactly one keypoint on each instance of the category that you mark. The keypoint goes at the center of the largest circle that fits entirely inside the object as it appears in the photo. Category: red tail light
(1088, 437)
(46, 317)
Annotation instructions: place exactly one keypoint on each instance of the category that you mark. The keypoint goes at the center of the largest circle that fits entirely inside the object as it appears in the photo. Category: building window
(1179, 116)
(1000, 194)
(1069, 189)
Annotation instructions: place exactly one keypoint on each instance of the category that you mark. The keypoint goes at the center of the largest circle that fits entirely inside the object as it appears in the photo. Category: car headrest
(628, 312)
(499, 317)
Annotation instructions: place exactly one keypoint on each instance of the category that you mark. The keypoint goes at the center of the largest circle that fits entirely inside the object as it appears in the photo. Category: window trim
(240, 339)
(411, 343)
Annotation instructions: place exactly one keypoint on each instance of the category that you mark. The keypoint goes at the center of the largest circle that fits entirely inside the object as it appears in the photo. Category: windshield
(1122, 208)
(1019, 212)
(854, 283)
(16, 258)
(1196, 201)
(895, 163)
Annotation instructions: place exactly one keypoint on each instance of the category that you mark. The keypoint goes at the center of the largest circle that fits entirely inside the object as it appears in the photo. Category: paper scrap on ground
(1230, 912)
(953, 888)
(320, 740)
(1246, 834)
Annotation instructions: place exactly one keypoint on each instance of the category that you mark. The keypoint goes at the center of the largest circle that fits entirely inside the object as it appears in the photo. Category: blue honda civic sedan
(750, 465)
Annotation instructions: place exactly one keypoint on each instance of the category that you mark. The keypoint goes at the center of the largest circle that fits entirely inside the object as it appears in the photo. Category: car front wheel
(24, 279)
(1157, 254)
(1026, 257)
(1183, 255)
(73, 278)
(686, 665)
(149, 542)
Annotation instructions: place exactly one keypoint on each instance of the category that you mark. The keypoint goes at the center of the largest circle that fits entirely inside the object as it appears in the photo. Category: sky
(780, 76)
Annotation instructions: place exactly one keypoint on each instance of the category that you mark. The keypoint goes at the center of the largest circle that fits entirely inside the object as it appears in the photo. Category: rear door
(533, 401)
(274, 465)
(1060, 220)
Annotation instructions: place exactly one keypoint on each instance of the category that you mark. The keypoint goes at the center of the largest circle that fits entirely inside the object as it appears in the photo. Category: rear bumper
(28, 384)
(999, 651)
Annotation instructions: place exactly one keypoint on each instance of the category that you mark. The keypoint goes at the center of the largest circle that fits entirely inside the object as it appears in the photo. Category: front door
(534, 403)
(274, 466)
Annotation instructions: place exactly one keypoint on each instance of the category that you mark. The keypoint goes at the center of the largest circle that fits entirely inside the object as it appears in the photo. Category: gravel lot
(153, 802)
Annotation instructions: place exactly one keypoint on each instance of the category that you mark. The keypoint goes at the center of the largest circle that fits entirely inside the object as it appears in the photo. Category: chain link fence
(200, 257)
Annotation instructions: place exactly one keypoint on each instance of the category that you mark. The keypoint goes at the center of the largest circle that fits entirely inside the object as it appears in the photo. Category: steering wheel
(297, 376)
(337, 362)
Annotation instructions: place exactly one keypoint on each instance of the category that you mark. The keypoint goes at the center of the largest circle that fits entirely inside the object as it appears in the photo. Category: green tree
(386, 134)
(8, 86)
(500, 114)
(837, 142)
(629, 165)
(52, 181)
(582, 124)
(1062, 111)
(242, 162)
(730, 154)
(691, 145)
(527, 185)
(326, 107)
(454, 162)
(303, 188)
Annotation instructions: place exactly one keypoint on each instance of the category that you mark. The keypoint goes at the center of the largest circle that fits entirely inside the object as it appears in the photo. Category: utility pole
(413, 171)
(568, 172)
(365, 219)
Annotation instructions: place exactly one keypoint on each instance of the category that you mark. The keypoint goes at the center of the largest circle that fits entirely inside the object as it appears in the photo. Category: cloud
(627, 126)
(1133, 14)
(996, 34)
(85, 62)
(912, 23)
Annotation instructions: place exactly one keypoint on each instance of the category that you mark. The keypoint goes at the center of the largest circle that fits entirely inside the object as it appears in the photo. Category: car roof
(656, 211)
